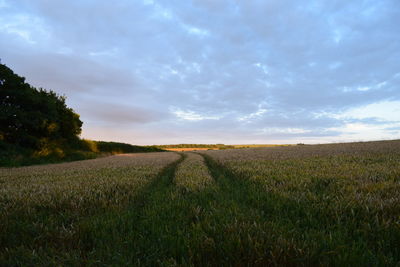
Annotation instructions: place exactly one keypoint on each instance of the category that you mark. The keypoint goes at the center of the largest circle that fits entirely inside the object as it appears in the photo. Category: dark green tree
(31, 117)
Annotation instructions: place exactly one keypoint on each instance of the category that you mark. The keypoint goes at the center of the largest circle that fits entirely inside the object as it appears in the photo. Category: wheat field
(335, 204)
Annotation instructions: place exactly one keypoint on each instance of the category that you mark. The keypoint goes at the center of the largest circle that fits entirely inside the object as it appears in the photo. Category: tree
(31, 117)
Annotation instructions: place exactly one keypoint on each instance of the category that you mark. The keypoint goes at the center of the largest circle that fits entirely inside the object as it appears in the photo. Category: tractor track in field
(202, 209)
(194, 227)
(163, 179)
(165, 222)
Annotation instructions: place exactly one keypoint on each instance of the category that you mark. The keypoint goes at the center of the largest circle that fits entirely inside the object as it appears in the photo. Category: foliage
(34, 118)
(114, 147)
(13, 155)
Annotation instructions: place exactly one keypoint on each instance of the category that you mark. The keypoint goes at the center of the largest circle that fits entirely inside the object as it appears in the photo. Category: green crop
(192, 174)
(334, 205)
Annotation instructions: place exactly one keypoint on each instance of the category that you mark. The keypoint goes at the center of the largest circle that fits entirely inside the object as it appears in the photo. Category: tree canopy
(31, 117)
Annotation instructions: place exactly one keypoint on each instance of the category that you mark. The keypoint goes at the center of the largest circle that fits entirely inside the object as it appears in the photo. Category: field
(212, 147)
(257, 145)
(188, 149)
(335, 204)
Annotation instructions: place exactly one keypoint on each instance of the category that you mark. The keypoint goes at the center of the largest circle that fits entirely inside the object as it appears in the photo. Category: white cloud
(196, 31)
(254, 115)
(283, 130)
(27, 27)
(263, 67)
(189, 115)
(366, 132)
(364, 88)
(107, 52)
(385, 110)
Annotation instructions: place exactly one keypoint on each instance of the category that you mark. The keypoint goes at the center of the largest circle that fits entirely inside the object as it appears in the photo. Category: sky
(214, 71)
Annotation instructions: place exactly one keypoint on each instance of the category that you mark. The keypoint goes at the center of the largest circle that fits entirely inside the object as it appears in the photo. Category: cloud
(265, 71)
(189, 115)
(119, 115)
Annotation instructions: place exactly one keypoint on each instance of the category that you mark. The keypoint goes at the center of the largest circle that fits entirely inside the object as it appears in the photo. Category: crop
(334, 205)
(192, 174)
(324, 204)
(42, 206)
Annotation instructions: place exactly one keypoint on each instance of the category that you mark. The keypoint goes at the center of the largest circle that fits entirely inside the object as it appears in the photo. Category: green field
(336, 205)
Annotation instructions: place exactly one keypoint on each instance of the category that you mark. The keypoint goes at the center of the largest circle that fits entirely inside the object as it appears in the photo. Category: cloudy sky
(214, 71)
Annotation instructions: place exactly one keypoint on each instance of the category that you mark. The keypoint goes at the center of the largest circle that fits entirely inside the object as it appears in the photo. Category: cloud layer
(214, 71)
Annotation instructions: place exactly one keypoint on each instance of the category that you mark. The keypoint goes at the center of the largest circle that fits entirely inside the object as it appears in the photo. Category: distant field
(257, 145)
(190, 149)
(335, 204)
(181, 148)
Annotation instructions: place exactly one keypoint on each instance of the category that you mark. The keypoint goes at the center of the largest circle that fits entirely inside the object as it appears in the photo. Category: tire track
(125, 225)
(193, 175)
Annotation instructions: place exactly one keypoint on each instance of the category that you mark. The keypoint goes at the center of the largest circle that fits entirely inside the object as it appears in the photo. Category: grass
(294, 206)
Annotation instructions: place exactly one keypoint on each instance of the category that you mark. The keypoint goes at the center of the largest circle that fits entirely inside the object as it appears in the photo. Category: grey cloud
(121, 115)
(202, 56)
(69, 74)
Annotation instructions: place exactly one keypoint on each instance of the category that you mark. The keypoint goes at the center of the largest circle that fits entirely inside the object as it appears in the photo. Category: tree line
(36, 126)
